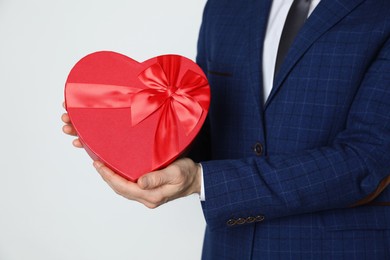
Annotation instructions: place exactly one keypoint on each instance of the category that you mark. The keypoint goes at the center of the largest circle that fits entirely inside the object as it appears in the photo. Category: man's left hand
(181, 178)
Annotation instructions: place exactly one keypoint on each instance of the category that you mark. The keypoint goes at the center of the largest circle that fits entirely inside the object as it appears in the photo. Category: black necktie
(296, 17)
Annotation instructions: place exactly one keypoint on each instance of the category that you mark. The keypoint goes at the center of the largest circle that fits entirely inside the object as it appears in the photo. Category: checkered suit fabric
(324, 134)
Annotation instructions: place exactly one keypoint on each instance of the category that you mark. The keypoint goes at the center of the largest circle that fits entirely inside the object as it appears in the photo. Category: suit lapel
(326, 15)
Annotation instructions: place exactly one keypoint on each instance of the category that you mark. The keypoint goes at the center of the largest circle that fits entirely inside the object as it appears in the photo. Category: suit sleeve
(330, 177)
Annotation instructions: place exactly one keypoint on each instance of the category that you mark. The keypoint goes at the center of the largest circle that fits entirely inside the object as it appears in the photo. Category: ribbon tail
(166, 137)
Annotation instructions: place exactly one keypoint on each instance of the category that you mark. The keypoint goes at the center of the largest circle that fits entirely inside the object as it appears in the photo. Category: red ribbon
(180, 101)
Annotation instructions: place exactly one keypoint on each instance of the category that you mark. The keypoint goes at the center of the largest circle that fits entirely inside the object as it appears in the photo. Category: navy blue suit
(304, 175)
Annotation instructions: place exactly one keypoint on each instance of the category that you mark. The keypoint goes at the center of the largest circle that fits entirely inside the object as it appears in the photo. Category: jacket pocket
(219, 69)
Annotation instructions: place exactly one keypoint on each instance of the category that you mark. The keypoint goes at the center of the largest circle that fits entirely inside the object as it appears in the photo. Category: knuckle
(158, 200)
(155, 200)
(180, 177)
(176, 169)
(159, 180)
(155, 180)
(175, 174)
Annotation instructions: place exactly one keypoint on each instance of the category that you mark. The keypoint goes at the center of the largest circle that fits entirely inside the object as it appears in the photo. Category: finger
(65, 118)
(69, 129)
(63, 104)
(115, 181)
(154, 180)
(150, 198)
(120, 185)
(77, 143)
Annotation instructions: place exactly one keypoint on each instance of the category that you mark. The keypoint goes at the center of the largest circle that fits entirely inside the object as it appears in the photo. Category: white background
(53, 205)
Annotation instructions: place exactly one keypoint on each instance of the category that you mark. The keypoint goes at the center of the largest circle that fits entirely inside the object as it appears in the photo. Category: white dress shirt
(277, 17)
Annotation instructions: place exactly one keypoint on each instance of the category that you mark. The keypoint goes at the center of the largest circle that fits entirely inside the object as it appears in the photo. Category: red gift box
(136, 117)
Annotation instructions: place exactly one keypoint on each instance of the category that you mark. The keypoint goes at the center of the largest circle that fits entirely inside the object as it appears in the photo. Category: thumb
(152, 180)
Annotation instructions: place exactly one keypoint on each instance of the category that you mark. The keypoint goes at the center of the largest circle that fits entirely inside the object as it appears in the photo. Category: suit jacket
(304, 175)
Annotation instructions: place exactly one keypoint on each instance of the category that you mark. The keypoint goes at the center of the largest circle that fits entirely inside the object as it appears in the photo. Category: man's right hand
(69, 130)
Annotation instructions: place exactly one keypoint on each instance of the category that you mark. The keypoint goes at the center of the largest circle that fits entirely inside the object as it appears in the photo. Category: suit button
(250, 219)
(259, 218)
(231, 222)
(258, 149)
(241, 221)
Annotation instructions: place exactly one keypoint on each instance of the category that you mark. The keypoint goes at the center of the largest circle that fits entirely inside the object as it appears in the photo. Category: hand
(179, 179)
(69, 129)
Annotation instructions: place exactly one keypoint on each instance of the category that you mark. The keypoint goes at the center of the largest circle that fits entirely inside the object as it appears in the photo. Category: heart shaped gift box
(136, 117)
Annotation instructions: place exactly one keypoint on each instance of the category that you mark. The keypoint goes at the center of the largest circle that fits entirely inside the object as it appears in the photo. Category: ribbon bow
(181, 102)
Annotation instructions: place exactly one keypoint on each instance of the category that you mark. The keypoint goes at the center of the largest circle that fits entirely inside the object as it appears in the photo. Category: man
(299, 158)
